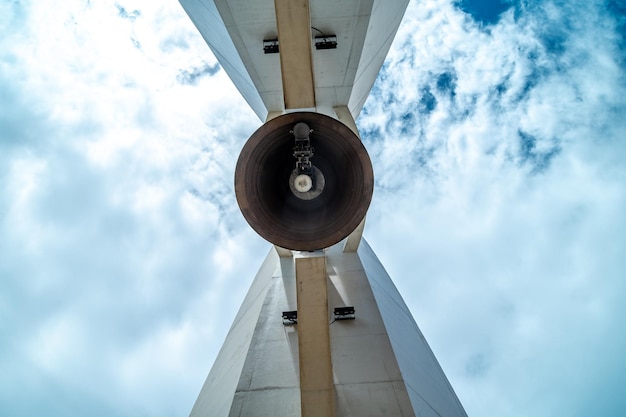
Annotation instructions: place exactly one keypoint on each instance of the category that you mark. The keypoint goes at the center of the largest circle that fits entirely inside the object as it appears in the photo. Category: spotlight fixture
(344, 313)
(290, 317)
(270, 46)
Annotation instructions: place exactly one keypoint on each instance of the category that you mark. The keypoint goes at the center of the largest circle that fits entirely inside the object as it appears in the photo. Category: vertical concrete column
(345, 116)
(294, 40)
(317, 393)
(354, 239)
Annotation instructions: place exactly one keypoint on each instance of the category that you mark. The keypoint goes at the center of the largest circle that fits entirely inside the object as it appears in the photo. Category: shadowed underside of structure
(381, 362)
(323, 332)
(235, 31)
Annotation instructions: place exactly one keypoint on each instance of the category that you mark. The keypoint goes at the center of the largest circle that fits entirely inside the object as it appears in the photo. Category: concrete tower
(323, 330)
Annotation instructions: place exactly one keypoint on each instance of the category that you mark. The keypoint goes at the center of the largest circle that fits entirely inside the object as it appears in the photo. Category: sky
(497, 134)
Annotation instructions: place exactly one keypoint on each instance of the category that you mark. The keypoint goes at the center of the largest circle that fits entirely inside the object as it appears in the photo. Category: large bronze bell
(304, 181)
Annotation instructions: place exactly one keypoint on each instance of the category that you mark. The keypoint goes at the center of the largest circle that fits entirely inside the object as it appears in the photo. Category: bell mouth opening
(341, 183)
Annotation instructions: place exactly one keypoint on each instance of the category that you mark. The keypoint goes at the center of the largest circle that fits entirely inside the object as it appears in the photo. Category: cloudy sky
(497, 132)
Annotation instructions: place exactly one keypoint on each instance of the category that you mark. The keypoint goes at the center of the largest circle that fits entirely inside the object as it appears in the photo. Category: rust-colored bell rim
(318, 236)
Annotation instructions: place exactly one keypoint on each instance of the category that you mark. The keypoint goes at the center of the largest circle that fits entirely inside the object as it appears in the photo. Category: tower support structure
(322, 332)
(381, 362)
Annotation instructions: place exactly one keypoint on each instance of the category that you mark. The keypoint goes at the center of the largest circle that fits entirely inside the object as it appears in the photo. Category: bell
(304, 181)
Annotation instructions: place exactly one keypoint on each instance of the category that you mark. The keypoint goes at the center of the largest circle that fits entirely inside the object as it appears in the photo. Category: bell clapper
(306, 181)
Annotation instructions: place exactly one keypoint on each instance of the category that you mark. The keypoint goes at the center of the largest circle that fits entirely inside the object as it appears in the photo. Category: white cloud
(499, 154)
(512, 205)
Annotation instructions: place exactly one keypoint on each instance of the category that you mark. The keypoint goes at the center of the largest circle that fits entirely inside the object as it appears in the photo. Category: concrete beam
(354, 238)
(282, 252)
(345, 116)
(317, 390)
(294, 39)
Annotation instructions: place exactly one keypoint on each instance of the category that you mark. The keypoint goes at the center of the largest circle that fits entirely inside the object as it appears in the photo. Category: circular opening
(265, 183)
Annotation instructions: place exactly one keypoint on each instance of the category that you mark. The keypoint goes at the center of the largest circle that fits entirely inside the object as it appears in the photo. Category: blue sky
(497, 138)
